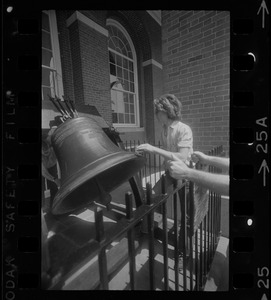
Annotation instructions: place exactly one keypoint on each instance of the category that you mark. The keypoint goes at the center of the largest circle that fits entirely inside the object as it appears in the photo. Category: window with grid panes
(122, 78)
(51, 66)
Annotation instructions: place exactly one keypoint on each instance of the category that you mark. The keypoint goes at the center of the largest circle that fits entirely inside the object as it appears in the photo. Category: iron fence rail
(202, 240)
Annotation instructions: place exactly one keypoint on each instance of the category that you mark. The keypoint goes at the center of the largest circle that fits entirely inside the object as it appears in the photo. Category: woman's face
(162, 118)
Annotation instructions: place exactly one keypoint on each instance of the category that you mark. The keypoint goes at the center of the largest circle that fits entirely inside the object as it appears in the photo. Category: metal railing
(201, 236)
(154, 168)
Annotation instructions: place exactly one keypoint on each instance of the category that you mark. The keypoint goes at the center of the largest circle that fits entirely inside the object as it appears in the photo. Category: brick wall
(95, 70)
(196, 57)
(76, 63)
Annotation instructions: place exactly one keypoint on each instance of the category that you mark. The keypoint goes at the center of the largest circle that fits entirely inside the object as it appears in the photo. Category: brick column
(76, 63)
(153, 88)
(89, 52)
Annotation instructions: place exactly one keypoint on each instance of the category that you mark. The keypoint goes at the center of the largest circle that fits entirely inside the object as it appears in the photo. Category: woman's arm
(182, 154)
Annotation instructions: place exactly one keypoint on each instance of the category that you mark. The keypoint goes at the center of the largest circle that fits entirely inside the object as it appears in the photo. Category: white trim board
(156, 14)
(128, 129)
(79, 16)
(153, 62)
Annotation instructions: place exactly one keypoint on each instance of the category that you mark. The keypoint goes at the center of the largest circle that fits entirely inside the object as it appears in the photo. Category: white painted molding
(79, 16)
(153, 62)
(129, 129)
(156, 14)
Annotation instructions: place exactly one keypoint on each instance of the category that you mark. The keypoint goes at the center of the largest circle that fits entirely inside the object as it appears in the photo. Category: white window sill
(129, 129)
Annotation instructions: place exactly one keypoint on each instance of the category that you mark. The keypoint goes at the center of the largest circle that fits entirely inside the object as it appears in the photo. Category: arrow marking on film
(264, 297)
(265, 168)
(263, 7)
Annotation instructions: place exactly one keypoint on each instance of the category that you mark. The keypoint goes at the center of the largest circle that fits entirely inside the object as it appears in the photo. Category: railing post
(196, 261)
(211, 218)
(205, 248)
(154, 166)
(219, 215)
(159, 157)
(201, 258)
(176, 237)
(216, 220)
(165, 233)
(184, 231)
(214, 224)
(219, 211)
(208, 230)
(191, 231)
(214, 212)
(212, 229)
(151, 237)
(102, 255)
(131, 238)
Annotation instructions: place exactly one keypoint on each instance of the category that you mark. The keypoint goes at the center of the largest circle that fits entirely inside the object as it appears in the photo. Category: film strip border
(249, 118)
(21, 154)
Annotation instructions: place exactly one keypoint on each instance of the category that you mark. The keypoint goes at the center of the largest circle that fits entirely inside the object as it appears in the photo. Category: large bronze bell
(91, 164)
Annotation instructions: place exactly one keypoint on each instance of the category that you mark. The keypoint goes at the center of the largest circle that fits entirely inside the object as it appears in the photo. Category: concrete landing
(217, 277)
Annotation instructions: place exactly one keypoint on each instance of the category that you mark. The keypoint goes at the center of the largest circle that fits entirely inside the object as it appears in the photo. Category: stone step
(87, 278)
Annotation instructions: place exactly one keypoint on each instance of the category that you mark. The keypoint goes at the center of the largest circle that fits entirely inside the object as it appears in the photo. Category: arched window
(123, 76)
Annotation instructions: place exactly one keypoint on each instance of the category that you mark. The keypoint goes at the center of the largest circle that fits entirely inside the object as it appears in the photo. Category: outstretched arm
(219, 162)
(215, 182)
(182, 154)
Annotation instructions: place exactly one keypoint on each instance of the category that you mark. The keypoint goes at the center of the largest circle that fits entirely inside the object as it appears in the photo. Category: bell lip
(74, 181)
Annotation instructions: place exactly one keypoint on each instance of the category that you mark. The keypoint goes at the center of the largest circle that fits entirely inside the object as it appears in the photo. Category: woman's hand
(178, 169)
(200, 157)
(146, 148)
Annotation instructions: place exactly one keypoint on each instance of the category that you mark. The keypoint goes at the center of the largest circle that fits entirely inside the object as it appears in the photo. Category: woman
(176, 137)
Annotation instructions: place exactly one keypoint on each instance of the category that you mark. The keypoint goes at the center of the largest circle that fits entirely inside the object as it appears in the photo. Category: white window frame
(56, 53)
(111, 22)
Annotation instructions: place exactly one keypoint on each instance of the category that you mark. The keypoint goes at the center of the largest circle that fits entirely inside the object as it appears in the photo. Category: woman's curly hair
(169, 104)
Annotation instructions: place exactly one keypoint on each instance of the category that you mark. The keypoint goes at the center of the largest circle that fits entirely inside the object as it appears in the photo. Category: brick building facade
(89, 65)
(196, 66)
(181, 52)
